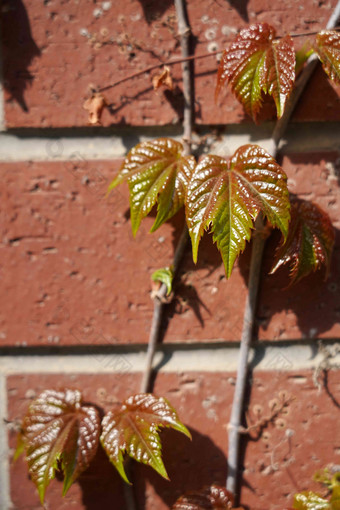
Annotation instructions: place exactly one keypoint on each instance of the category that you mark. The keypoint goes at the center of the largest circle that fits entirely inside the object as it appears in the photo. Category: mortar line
(82, 144)
(190, 345)
(264, 358)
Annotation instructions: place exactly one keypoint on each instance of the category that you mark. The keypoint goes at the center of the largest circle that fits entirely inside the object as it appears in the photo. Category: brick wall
(75, 306)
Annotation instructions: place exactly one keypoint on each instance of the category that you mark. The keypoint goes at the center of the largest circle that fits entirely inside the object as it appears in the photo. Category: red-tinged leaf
(157, 172)
(227, 195)
(58, 431)
(209, 498)
(255, 63)
(133, 429)
(309, 243)
(328, 50)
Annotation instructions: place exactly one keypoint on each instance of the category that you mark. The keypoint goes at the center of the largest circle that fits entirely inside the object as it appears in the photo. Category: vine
(230, 198)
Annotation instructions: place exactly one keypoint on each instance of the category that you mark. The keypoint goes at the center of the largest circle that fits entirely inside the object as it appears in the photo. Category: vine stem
(254, 279)
(157, 315)
(180, 60)
(184, 33)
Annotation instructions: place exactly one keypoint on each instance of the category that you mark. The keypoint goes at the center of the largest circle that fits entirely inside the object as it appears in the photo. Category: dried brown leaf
(163, 79)
(95, 106)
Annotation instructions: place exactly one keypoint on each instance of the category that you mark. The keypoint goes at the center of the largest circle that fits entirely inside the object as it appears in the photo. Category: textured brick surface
(72, 274)
(275, 466)
(312, 307)
(65, 46)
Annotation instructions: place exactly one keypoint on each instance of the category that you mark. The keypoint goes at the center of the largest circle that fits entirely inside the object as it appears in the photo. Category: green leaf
(301, 56)
(255, 63)
(328, 50)
(20, 446)
(133, 429)
(335, 498)
(310, 501)
(324, 476)
(164, 275)
(227, 195)
(309, 243)
(209, 498)
(58, 431)
(157, 172)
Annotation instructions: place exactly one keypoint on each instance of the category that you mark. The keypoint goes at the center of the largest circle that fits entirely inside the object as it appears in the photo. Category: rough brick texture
(74, 258)
(277, 465)
(71, 274)
(66, 46)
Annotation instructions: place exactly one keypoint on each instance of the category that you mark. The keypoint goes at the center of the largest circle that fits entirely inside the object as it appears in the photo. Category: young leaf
(59, 431)
(301, 56)
(227, 196)
(328, 50)
(310, 501)
(256, 63)
(209, 498)
(335, 498)
(134, 430)
(157, 172)
(309, 243)
(20, 446)
(166, 276)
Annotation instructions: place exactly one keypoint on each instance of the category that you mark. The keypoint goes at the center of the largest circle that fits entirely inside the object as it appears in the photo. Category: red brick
(51, 65)
(312, 307)
(72, 274)
(275, 466)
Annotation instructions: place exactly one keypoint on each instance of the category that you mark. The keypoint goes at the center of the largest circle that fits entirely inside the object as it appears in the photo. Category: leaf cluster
(61, 433)
(256, 64)
(309, 500)
(225, 195)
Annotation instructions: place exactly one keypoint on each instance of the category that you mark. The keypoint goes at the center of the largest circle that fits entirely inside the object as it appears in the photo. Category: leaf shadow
(191, 465)
(307, 309)
(329, 393)
(239, 5)
(101, 486)
(19, 50)
(154, 9)
(189, 275)
(320, 100)
(186, 294)
(174, 98)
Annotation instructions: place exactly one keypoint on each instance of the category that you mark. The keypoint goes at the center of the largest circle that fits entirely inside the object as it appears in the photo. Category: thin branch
(159, 300)
(184, 32)
(129, 495)
(248, 323)
(254, 279)
(157, 315)
(156, 66)
(178, 60)
(306, 34)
